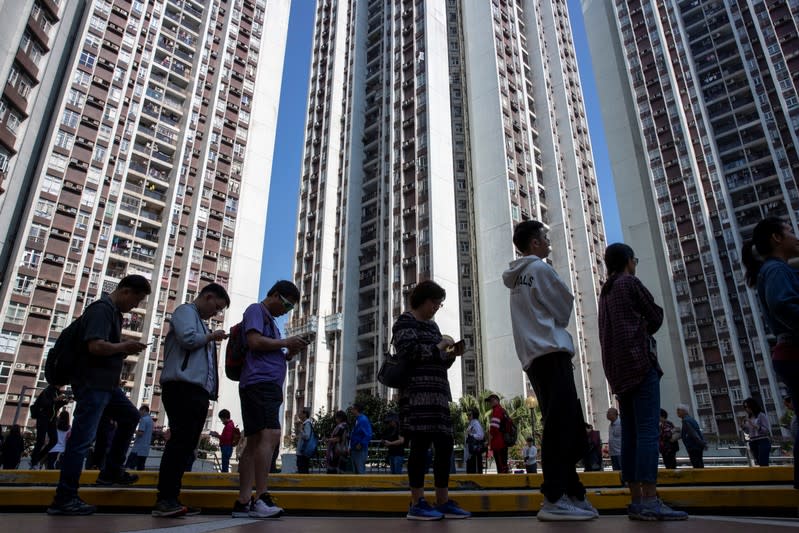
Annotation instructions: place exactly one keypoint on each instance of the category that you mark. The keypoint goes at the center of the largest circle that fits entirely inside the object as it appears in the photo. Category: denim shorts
(260, 407)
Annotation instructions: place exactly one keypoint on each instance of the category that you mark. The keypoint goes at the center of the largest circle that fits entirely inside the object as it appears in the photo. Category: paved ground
(118, 523)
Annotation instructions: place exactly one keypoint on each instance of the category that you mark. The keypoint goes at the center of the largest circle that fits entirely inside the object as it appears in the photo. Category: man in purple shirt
(261, 393)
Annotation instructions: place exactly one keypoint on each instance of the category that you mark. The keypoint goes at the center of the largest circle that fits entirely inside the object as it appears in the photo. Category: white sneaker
(585, 505)
(264, 507)
(561, 511)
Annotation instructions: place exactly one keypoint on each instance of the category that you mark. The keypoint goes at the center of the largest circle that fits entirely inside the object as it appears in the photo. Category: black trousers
(670, 459)
(474, 465)
(696, 457)
(186, 406)
(501, 460)
(417, 459)
(303, 464)
(563, 442)
(45, 428)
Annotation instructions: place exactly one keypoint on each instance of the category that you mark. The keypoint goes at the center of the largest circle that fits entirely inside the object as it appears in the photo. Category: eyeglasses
(287, 304)
(635, 261)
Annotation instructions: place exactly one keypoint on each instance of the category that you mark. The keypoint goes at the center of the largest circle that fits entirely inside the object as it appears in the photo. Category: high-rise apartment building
(702, 116)
(136, 165)
(433, 127)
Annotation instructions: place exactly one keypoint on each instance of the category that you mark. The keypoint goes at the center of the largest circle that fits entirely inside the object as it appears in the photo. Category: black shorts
(260, 407)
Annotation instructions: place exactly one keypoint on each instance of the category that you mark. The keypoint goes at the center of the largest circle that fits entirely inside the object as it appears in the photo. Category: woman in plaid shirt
(628, 317)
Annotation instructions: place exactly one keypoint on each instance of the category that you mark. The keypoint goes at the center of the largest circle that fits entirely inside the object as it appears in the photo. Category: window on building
(24, 284)
(87, 59)
(16, 313)
(51, 185)
(44, 208)
(70, 118)
(64, 140)
(9, 340)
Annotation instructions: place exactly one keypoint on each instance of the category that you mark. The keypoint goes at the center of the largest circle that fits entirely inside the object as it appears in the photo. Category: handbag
(395, 370)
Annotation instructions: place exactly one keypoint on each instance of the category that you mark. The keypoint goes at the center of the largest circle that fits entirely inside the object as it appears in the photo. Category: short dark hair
(426, 290)
(136, 283)
(144, 408)
(224, 413)
(358, 406)
(341, 416)
(663, 413)
(286, 289)
(526, 231)
(306, 411)
(217, 290)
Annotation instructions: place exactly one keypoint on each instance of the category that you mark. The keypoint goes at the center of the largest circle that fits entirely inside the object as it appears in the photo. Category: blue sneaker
(423, 511)
(654, 511)
(452, 510)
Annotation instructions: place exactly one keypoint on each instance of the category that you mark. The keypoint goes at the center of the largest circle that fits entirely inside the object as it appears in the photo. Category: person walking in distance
(45, 410)
(189, 382)
(359, 439)
(668, 441)
(261, 394)
(692, 437)
(394, 443)
(144, 438)
(425, 417)
(541, 307)
(499, 448)
(628, 317)
(766, 258)
(95, 384)
(226, 439)
(614, 438)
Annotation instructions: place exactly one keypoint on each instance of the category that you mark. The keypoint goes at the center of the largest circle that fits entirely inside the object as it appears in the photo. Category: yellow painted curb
(708, 476)
(365, 502)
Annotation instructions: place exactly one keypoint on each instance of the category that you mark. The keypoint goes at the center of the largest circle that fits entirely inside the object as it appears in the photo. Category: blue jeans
(640, 429)
(395, 463)
(90, 406)
(359, 460)
(227, 453)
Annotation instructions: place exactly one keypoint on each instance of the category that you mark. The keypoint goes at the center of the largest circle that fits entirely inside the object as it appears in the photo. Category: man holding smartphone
(95, 384)
(261, 394)
(189, 381)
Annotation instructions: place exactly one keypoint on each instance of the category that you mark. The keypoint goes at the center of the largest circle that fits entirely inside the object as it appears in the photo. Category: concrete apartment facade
(432, 129)
(699, 100)
(138, 159)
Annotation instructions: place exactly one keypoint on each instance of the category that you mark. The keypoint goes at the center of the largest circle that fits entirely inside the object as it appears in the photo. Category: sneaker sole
(456, 516)
(240, 514)
(549, 517)
(262, 516)
(424, 518)
(170, 514)
(643, 518)
(59, 512)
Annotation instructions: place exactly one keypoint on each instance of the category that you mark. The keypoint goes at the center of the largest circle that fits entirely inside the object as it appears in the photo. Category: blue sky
(282, 211)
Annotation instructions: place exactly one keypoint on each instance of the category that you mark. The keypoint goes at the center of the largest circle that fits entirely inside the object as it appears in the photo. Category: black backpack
(63, 357)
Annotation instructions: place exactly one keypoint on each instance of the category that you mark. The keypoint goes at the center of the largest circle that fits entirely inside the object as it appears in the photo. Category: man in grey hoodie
(189, 381)
(541, 306)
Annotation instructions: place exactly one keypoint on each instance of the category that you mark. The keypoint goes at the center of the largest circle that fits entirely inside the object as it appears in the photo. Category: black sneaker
(121, 478)
(73, 507)
(168, 509)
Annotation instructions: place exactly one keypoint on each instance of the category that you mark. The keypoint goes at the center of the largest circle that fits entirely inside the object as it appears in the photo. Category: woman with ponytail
(766, 258)
(628, 317)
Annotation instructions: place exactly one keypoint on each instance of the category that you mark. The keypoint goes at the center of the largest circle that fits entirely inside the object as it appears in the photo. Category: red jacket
(226, 437)
(497, 416)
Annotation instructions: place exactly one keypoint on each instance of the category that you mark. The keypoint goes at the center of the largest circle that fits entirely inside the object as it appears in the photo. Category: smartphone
(457, 348)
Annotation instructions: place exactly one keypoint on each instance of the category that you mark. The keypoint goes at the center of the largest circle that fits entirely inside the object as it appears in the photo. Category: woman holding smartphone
(424, 402)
